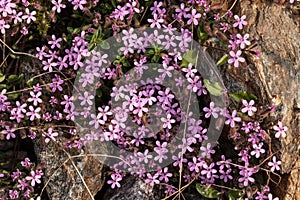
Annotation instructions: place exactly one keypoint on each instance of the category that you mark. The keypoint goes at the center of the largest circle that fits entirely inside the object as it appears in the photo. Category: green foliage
(13, 96)
(189, 57)
(202, 34)
(122, 60)
(214, 88)
(223, 60)
(2, 77)
(43, 23)
(15, 79)
(240, 95)
(207, 192)
(30, 82)
(98, 38)
(99, 92)
(235, 194)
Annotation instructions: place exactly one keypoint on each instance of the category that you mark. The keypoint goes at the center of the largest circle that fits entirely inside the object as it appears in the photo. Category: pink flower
(249, 107)
(57, 5)
(240, 22)
(34, 178)
(209, 170)
(182, 11)
(22, 184)
(155, 21)
(156, 7)
(152, 180)
(242, 40)
(193, 18)
(13, 194)
(164, 175)
(257, 150)
(246, 176)
(236, 58)
(3, 26)
(78, 4)
(29, 16)
(280, 130)
(168, 121)
(275, 164)
(190, 72)
(9, 132)
(212, 110)
(86, 99)
(116, 178)
(26, 163)
(55, 42)
(35, 98)
(50, 135)
(33, 113)
(232, 119)
(119, 13)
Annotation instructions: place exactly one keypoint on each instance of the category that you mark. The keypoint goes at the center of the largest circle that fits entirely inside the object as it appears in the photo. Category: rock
(132, 188)
(64, 181)
(275, 77)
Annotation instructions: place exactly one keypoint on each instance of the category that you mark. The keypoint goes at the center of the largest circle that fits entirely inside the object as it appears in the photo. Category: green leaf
(70, 29)
(3, 86)
(104, 45)
(234, 194)
(14, 56)
(189, 57)
(76, 16)
(155, 58)
(20, 79)
(13, 96)
(214, 88)
(30, 82)
(113, 2)
(2, 78)
(240, 95)
(207, 192)
(202, 34)
(223, 60)
(76, 31)
(99, 92)
(12, 78)
(150, 52)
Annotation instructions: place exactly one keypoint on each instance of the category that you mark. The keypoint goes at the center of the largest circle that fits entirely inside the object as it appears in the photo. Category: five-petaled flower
(240, 22)
(280, 130)
(34, 178)
(116, 178)
(236, 58)
(248, 107)
(232, 119)
(168, 121)
(50, 135)
(274, 164)
(33, 113)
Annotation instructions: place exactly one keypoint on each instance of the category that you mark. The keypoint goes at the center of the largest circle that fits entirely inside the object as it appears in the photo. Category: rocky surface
(275, 77)
(132, 188)
(64, 181)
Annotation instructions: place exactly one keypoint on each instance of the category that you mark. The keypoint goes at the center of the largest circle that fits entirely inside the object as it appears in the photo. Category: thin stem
(17, 52)
(230, 8)
(4, 60)
(144, 14)
(79, 174)
(30, 88)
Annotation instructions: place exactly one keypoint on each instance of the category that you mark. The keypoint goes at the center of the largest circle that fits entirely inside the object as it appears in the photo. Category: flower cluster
(24, 178)
(123, 99)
